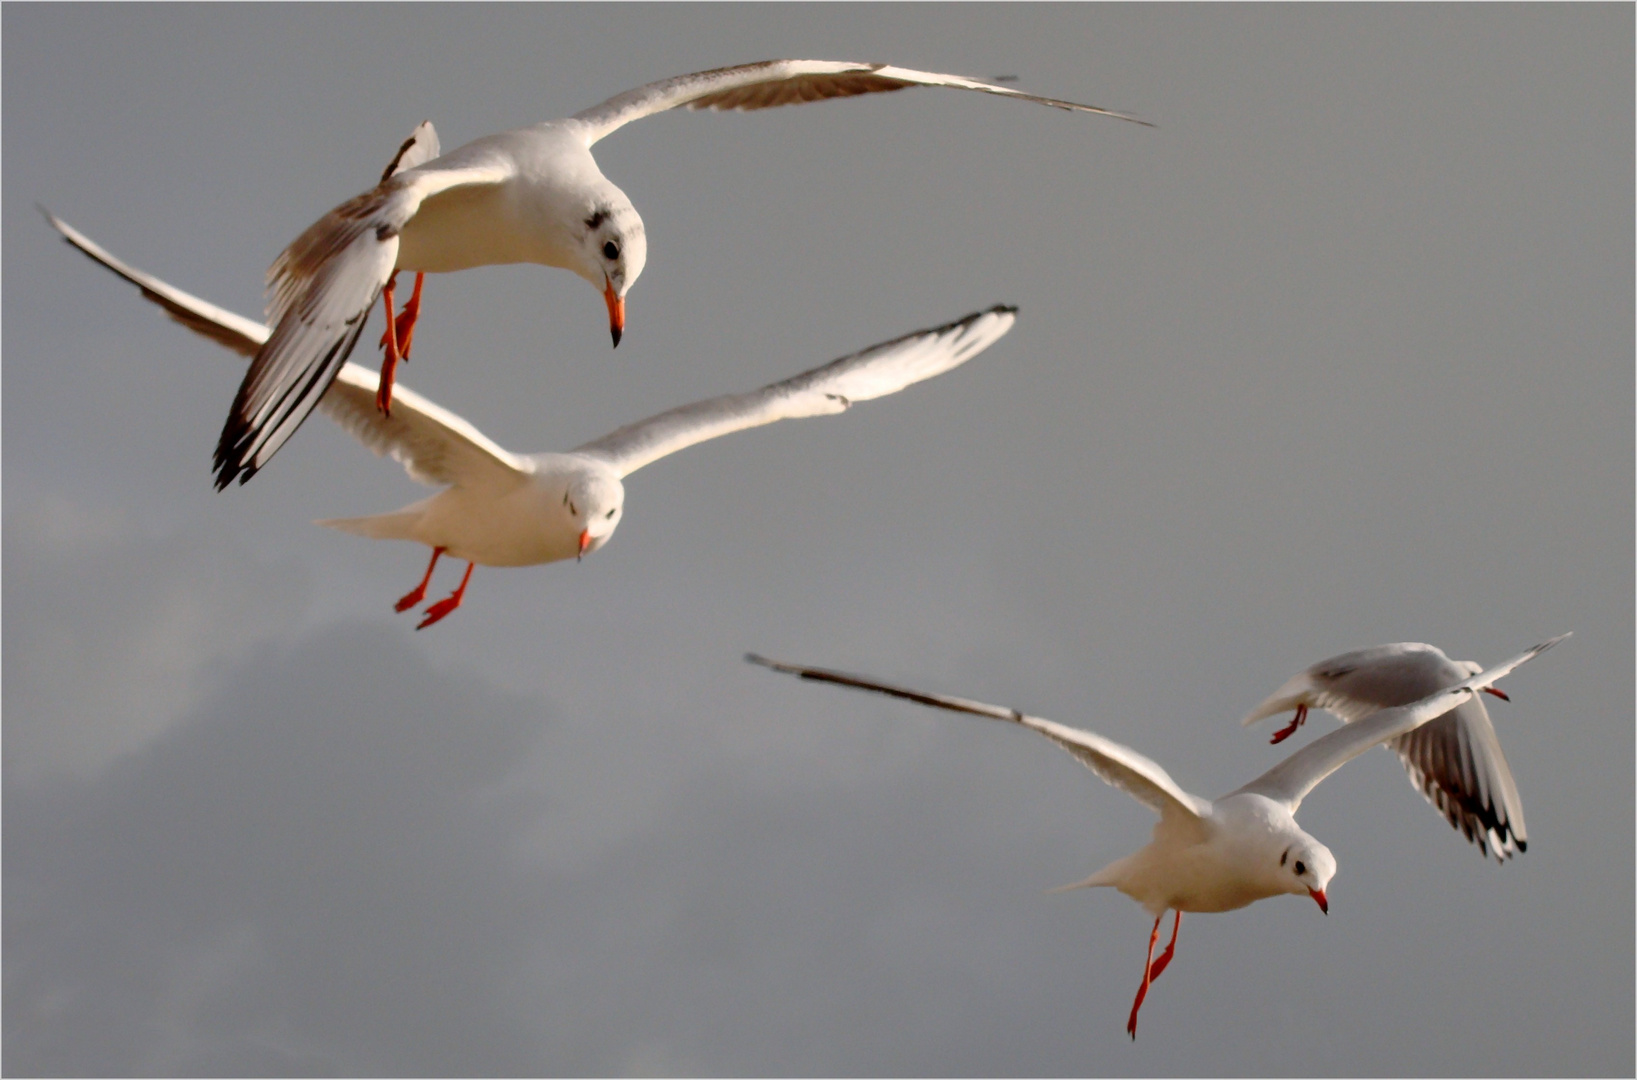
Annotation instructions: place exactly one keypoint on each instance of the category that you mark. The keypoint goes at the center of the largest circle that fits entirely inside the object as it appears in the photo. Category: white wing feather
(1454, 760)
(1289, 781)
(771, 83)
(435, 445)
(1113, 763)
(875, 372)
(320, 291)
(244, 336)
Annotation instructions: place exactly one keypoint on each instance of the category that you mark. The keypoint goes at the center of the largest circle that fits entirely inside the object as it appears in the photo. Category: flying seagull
(506, 509)
(1455, 761)
(1208, 856)
(533, 195)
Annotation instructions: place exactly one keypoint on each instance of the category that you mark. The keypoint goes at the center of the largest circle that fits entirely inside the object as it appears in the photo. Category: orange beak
(1497, 693)
(1318, 898)
(616, 311)
(585, 542)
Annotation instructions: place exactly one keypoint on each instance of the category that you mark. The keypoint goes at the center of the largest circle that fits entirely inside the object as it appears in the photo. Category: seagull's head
(611, 251)
(1306, 867)
(595, 503)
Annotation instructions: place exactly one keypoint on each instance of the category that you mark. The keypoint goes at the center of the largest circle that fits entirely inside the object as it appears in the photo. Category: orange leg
(448, 603)
(1170, 950)
(1290, 729)
(410, 599)
(389, 363)
(1151, 968)
(405, 321)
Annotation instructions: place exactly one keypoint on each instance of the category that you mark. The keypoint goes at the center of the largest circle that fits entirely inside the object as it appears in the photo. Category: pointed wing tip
(757, 658)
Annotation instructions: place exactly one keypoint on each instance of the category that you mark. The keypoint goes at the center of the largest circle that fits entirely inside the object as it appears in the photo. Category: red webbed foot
(1290, 729)
(418, 593)
(449, 603)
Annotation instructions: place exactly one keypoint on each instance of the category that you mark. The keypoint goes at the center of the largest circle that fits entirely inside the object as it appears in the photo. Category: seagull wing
(1455, 761)
(421, 147)
(1289, 781)
(244, 336)
(876, 372)
(320, 290)
(1457, 764)
(771, 83)
(435, 445)
(1118, 765)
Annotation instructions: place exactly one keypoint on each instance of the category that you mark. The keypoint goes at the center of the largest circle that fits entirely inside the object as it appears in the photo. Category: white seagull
(506, 509)
(534, 195)
(1455, 761)
(1209, 856)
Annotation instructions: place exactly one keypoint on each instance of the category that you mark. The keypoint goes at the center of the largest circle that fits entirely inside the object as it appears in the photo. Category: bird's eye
(611, 512)
(1285, 857)
(1300, 868)
(572, 510)
(611, 250)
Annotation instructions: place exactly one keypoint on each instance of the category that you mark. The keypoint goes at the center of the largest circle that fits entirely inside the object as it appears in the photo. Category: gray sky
(1339, 354)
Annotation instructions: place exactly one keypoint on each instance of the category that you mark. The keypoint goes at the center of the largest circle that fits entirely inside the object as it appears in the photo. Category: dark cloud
(302, 876)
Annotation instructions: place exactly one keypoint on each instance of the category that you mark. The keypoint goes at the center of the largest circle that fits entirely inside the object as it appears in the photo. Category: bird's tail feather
(399, 525)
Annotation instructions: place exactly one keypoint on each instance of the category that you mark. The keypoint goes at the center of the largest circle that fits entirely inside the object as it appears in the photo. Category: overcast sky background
(1339, 354)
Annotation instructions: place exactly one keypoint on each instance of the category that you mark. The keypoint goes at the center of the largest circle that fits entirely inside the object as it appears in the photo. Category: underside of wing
(1456, 762)
(1289, 781)
(244, 336)
(771, 83)
(875, 372)
(320, 291)
(1113, 763)
(434, 445)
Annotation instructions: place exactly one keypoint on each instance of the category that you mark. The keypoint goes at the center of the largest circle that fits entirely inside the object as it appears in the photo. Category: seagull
(533, 195)
(1455, 760)
(1208, 856)
(506, 509)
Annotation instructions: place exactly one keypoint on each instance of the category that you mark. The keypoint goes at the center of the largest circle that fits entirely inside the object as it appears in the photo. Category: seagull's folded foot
(449, 603)
(1148, 974)
(1170, 951)
(418, 593)
(404, 323)
(438, 610)
(1290, 729)
(410, 599)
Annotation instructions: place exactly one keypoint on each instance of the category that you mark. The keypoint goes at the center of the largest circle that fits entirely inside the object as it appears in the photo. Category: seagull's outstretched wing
(1118, 765)
(320, 291)
(244, 336)
(1455, 761)
(876, 372)
(771, 83)
(1289, 781)
(435, 445)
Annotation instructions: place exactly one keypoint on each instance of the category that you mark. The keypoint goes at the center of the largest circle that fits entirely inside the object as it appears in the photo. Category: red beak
(1497, 693)
(1318, 898)
(616, 311)
(585, 542)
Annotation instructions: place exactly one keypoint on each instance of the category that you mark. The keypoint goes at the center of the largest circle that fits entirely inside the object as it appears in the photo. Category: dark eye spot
(611, 250)
(1300, 868)
(572, 510)
(611, 512)
(1284, 857)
